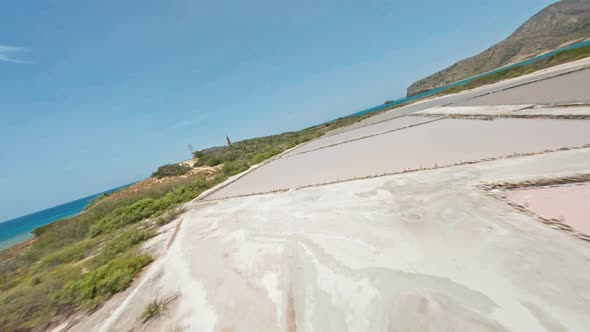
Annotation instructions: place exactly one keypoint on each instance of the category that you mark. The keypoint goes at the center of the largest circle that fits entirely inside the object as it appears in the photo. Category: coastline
(16, 240)
(19, 230)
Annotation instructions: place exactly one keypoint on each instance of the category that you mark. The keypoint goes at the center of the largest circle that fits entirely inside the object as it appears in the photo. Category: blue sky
(97, 94)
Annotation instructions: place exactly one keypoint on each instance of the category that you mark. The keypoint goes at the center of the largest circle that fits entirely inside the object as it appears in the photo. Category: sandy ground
(569, 203)
(439, 143)
(574, 87)
(423, 251)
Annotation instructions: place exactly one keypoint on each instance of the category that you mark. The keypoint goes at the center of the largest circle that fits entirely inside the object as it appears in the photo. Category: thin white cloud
(9, 54)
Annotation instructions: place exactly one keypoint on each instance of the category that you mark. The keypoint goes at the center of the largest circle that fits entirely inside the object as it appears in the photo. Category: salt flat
(424, 251)
(570, 88)
(362, 132)
(568, 203)
(572, 110)
(519, 110)
(475, 110)
(437, 143)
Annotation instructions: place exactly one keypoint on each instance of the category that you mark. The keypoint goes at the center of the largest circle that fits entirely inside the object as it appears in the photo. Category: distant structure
(190, 148)
(228, 141)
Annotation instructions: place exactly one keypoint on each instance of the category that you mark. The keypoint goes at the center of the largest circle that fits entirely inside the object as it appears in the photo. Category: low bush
(92, 288)
(169, 216)
(241, 155)
(119, 245)
(234, 167)
(214, 161)
(155, 309)
(170, 170)
(150, 207)
(28, 305)
(72, 253)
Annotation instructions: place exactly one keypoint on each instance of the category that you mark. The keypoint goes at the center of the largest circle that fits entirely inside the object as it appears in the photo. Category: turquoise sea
(19, 229)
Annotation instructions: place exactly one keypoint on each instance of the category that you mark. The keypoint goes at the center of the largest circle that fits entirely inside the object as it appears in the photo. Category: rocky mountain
(564, 22)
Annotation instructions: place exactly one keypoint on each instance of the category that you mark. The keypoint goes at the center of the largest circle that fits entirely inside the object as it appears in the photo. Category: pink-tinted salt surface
(442, 142)
(378, 128)
(570, 204)
(573, 87)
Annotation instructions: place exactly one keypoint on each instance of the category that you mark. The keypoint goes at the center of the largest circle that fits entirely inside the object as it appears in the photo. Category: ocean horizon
(17, 230)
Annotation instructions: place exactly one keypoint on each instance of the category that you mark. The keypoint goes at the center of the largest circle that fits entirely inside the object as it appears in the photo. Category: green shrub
(29, 305)
(127, 215)
(169, 216)
(155, 309)
(170, 170)
(92, 288)
(234, 167)
(119, 245)
(150, 207)
(72, 253)
(243, 154)
(214, 161)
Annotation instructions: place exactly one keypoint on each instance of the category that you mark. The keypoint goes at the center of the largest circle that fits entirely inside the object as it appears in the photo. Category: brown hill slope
(560, 23)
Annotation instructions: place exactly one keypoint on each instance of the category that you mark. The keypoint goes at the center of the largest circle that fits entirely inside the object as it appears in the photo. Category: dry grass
(156, 309)
(170, 215)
